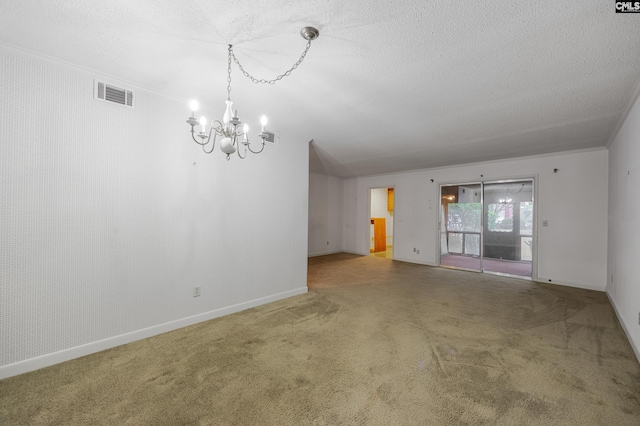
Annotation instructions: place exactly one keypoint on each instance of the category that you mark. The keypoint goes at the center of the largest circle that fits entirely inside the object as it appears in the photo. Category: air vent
(109, 93)
(271, 137)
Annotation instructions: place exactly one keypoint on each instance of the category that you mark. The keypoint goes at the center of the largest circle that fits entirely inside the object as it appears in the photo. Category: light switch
(545, 223)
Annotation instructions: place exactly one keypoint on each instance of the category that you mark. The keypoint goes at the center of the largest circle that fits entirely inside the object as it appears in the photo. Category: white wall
(379, 208)
(623, 287)
(351, 221)
(325, 214)
(572, 250)
(110, 216)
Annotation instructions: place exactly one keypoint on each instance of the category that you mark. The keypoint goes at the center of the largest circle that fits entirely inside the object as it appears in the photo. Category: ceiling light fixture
(231, 130)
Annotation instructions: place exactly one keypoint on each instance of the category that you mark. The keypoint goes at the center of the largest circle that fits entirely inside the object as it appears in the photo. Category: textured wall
(624, 225)
(325, 214)
(109, 216)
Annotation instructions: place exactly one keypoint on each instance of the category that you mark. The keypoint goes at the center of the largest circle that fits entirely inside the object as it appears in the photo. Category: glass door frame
(442, 226)
(482, 182)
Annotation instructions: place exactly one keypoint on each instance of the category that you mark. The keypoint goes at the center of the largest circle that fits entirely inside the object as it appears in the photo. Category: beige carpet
(375, 342)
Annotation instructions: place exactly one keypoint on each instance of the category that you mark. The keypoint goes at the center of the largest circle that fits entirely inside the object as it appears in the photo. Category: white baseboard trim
(635, 348)
(47, 360)
(324, 253)
(544, 280)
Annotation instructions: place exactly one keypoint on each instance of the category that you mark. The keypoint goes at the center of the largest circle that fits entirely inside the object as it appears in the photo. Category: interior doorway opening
(488, 227)
(382, 201)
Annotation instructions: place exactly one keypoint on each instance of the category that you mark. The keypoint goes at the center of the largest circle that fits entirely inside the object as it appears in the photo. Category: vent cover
(271, 137)
(109, 93)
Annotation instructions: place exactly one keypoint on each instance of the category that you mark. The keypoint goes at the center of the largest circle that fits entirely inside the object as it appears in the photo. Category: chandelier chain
(262, 80)
(229, 73)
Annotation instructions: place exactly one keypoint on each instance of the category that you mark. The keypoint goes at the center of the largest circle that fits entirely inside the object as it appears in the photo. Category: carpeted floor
(374, 342)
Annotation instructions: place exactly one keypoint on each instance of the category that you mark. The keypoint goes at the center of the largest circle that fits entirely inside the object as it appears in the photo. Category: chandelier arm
(215, 131)
(219, 128)
(208, 138)
(256, 152)
(196, 140)
(263, 81)
(213, 143)
(238, 131)
(245, 151)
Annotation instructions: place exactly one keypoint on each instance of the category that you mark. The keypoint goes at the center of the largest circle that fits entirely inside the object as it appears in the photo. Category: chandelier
(230, 130)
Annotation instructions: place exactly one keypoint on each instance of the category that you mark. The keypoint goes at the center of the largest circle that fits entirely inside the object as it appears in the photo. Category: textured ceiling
(389, 85)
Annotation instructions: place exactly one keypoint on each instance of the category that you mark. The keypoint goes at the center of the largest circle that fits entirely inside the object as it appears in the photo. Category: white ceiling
(389, 85)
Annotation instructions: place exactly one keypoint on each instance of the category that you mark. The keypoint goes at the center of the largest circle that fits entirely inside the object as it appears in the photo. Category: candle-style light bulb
(203, 123)
(245, 129)
(194, 105)
(263, 121)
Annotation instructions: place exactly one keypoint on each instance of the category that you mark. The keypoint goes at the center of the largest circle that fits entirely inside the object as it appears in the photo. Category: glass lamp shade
(227, 146)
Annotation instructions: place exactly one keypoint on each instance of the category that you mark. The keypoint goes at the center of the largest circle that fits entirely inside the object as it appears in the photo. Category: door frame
(482, 181)
(395, 197)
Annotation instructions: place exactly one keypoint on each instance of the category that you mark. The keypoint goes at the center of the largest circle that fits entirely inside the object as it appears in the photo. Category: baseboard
(324, 253)
(544, 280)
(36, 363)
(635, 348)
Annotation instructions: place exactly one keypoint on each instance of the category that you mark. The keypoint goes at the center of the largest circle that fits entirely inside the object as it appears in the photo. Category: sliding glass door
(461, 226)
(508, 227)
(488, 226)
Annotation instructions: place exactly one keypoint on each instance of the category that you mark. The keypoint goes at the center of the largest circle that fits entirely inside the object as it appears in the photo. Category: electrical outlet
(414, 249)
(417, 251)
(196, 291)
(545, 223)
(327, 242)
(638, 318)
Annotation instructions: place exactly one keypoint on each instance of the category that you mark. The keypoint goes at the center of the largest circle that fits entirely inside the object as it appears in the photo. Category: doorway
(382, 201)
(488, 227)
